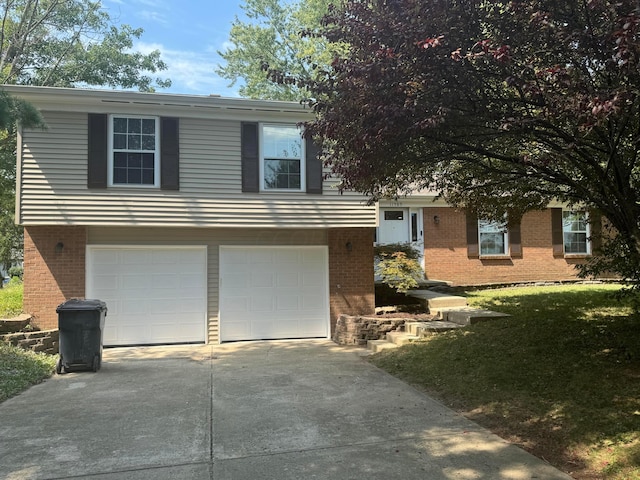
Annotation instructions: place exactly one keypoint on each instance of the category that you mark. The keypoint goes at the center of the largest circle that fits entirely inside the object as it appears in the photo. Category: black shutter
(313, 167)
(515, 240)
(473, 248)
(169, 153)
(97, 151)
(557, 236)
(250, 157)
(595, 220)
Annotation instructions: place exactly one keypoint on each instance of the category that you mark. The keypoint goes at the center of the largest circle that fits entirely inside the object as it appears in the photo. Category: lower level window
(493, 237)
(575, 231)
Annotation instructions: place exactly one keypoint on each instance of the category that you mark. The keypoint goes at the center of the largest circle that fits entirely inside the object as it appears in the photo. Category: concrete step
(469, 316)
(437, 326)
(434, 301)
(401, 338)
(376, 346)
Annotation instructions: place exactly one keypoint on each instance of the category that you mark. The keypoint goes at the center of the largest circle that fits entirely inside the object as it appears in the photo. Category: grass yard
(19, 369)
(561, 377)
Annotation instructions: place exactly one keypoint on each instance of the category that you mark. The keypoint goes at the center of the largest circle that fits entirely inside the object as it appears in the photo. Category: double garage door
(158, 295)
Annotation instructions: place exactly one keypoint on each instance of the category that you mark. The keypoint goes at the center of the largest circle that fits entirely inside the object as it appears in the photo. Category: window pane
(492, 244)
(120, 125)
(134, 160)
(134, 142)
(148, 126)
(281, 141)
(135, 125)
(282, 174)
(148, 142)
(147, 160)
(147, 177)
(134, 176)
(120, 160)
(119, 175)
(119, 141)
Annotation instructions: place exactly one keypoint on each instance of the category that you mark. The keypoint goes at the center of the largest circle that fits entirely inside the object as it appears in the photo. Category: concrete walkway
(265, 410)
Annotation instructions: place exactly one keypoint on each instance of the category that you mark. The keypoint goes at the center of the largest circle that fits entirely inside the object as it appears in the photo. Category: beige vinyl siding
(54, 191)
(213, 239)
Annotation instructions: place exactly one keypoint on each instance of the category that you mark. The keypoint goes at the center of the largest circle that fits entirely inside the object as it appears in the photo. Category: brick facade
(446, 252)
(54, 270)
(351, 282)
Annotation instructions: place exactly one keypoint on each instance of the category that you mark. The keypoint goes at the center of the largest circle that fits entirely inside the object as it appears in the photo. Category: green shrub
(11, 299)
(398, 267)
(16, 272)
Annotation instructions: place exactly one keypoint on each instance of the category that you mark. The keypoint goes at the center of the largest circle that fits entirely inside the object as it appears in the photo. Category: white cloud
(190, 72)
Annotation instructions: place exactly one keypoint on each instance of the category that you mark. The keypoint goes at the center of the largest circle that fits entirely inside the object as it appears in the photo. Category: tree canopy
(272, 37)
(499, 105)
(63, 43)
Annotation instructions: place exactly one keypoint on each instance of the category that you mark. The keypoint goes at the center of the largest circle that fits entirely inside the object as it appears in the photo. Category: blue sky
(188, 33)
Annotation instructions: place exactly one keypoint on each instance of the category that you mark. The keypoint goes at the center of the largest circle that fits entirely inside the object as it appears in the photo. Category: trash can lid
(81, 304)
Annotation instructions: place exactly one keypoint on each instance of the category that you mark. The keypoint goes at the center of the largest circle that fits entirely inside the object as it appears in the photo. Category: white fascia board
(193, 106)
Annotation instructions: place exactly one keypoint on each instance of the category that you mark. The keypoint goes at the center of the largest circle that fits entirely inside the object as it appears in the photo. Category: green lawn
(561, 377)
(19, 369)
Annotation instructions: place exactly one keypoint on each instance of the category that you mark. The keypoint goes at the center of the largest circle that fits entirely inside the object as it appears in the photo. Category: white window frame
(493, 227)
(586, 232)
(263, 187)
(112, 150)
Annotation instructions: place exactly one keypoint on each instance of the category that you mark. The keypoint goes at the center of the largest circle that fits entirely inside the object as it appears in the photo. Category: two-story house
(195, 218)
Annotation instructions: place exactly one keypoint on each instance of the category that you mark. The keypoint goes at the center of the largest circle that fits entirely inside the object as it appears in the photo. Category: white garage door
(154, 295)
(273, 292)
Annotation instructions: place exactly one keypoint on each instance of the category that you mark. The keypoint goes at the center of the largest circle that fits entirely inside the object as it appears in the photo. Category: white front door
(274, 292)
(402, 225)
(154, 295)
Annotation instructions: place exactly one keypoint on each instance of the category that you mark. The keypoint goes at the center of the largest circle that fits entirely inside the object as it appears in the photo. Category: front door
(402, 225)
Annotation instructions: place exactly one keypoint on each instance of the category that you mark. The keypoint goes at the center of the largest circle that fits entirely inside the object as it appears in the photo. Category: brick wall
(351, 286)
(52, 274)
(446, 252)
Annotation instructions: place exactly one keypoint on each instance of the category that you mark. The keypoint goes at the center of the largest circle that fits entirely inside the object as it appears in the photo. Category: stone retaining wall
(357, 330)
(41, 341)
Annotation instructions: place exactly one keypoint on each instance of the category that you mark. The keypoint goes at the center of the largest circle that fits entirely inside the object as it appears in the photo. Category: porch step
(401, 338)
(434, 301)
(468, 315)
(420, 329)
(376, 346)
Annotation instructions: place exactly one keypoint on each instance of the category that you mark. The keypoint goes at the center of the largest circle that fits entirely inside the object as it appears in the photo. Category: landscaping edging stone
(46, 341)
(357, 330)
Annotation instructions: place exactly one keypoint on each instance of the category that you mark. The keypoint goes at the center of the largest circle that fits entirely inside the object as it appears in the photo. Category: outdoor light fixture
(349, 246)
(436, 219)
(59, 247)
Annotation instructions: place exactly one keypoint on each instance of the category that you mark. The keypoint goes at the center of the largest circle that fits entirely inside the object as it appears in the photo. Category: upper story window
(493, 237)
(134, 151)
(282, 158)
(575, 232)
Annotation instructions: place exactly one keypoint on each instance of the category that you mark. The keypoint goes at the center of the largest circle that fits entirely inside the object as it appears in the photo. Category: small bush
(11, 299)
(397, 266)
(16, 272)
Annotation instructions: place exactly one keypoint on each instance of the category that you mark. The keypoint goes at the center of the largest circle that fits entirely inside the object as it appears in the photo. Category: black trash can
(80, 323)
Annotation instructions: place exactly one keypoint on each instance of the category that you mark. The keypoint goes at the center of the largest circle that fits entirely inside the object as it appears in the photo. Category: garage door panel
(153, 294)
(281, 292)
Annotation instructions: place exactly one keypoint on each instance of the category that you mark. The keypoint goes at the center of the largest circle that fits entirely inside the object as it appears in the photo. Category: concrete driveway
(266, 410)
